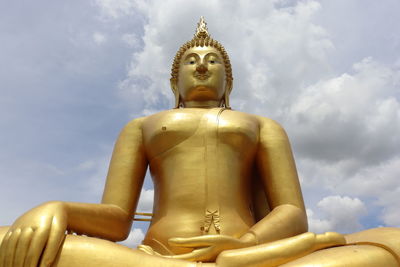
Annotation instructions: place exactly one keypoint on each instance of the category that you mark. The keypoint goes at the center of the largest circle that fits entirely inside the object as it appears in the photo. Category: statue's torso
(200, 159)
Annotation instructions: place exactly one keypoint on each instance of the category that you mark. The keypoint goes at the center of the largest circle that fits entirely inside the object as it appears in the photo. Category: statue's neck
(202, 104)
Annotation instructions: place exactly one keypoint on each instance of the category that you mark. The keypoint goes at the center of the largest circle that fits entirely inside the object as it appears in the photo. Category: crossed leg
(296, 251)
(94, 252)
(370, 248)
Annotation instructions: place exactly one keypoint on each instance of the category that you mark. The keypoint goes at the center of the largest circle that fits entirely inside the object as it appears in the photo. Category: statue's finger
(146, 249)
(3, 248)
(195, 255)
(197, 241)
(22, 247)
(10, 248)
(39, 239)
(56, 237)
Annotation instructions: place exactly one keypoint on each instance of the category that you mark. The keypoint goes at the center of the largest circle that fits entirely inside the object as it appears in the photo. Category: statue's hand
(37, 234)
(206, 247)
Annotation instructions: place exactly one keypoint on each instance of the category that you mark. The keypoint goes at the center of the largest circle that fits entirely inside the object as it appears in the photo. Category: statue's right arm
(277, 171)
(38, 234)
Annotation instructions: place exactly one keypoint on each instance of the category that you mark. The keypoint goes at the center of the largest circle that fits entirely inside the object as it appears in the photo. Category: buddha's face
(201, 75)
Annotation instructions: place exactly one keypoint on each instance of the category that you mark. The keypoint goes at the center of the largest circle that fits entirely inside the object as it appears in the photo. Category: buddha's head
(201, 70)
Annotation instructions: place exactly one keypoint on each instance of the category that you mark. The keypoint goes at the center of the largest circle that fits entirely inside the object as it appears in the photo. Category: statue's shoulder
(241, 115)
(260, 120)
(135, 124)
(270, 125)
(137, 121)
(157, 117)
(152, 117)
(151, 120)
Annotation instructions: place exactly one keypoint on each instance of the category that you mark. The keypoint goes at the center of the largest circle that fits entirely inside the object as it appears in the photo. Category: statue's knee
(226, 258)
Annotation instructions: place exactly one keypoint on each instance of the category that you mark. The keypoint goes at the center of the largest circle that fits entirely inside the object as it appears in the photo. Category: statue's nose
(201, 68)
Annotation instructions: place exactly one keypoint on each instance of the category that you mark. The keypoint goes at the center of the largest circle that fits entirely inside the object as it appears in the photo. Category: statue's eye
(212, 61)
(190, 62)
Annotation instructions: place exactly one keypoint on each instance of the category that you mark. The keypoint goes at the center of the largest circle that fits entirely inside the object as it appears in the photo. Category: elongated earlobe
(174, 89)
(227, 93)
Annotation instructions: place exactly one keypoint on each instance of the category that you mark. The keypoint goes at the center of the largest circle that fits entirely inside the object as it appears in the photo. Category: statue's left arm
(277, 170)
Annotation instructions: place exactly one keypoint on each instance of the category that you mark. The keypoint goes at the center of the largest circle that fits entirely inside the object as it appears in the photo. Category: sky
(73, 73)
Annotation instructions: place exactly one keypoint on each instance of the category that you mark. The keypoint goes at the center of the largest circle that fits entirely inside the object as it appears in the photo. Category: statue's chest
(197, 130)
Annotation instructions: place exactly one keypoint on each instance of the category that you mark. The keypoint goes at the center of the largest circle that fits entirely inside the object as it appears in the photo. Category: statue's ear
(228, 89)
(174, 88)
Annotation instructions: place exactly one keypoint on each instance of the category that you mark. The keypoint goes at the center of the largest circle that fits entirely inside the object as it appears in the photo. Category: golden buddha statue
(226, 191)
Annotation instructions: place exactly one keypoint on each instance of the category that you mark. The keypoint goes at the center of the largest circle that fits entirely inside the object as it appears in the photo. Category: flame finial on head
(202, 31)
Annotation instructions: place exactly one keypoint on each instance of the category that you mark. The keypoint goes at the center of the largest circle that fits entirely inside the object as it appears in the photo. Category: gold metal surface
(226, 191)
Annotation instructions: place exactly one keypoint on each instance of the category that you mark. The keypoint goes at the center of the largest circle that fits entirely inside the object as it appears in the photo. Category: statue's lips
(202, 76)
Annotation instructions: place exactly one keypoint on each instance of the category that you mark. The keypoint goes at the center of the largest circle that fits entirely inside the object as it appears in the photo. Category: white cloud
(146, 200)
(391, 212)
(131, 39)
(114, 9)
(317, 225)
(341, 214)
(381, 183)
(99, 38)
(352, 116)
(378, 183)
(345, 131)
(95, 172)
(134, 239)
